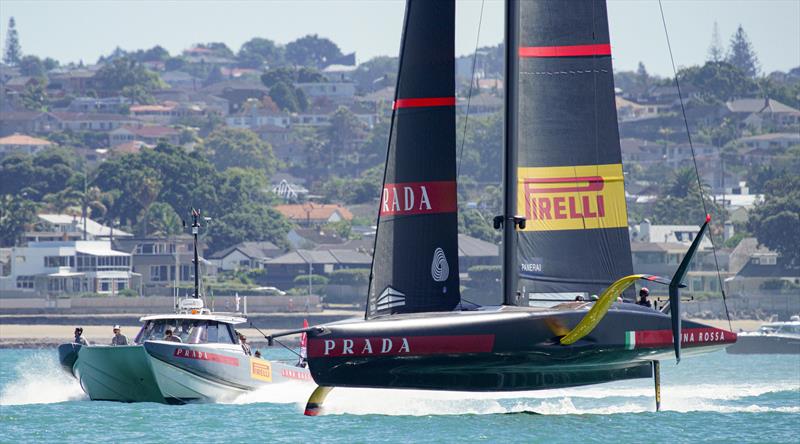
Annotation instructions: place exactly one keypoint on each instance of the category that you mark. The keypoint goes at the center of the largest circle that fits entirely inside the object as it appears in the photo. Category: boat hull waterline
(499, 349)
(186, 372)
(171, 373)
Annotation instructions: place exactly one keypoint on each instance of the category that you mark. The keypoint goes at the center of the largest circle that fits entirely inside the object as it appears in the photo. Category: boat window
(191, 331)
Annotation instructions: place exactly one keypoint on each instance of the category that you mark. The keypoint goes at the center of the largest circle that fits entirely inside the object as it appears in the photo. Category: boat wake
(283, 393)
(39, 379)
(722, 398)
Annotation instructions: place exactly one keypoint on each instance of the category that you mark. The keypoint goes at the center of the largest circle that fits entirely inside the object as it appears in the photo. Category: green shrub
(128, 293)
(354, 276)
(316, 280)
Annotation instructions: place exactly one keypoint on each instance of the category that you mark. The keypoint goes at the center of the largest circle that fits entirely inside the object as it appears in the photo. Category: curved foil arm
(604, 302)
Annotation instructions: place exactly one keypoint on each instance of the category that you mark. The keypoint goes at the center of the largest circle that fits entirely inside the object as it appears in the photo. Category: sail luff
(509, 283)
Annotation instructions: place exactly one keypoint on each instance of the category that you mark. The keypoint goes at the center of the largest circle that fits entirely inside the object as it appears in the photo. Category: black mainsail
(567, 181)
(415, 267)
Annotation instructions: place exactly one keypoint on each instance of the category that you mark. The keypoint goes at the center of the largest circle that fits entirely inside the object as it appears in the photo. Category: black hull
(765, 345)
(499, 349)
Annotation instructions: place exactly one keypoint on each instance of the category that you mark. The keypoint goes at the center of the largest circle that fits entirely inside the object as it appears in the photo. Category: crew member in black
(643, 301)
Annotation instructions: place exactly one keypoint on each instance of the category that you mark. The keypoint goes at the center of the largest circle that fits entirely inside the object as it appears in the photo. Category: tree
(776, 221)
(742, 55)
(312, 50)
(162, 220)
(32, 66)
(16, 213)
(284, 96)
(259, 51)
(34, 97)
(128, 77)
(715, 51)
(342, 138)
(718, 81)
(234, 147)
(254, 222)
(13, 53)
(375, 74)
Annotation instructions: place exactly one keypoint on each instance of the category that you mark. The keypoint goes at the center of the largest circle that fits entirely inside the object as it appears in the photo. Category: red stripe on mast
(424, 102)
(565, 51)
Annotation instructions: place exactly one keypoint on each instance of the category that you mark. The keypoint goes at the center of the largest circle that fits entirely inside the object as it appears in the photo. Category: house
(98, 105)
(62, 227)
(756, 112)
(91, 121)
(473, 251)
(245, 255)
(683, 234)
(19, 84)
(765, 273)
(167, 112)
(337, 92)
(310, 214)
(282, 270)
(237, 92)
(254, 117)
(164, 262)
(181, 80)
(20, 143)
(63, 267)
(628, 110)
(312, 237)
(26, 122)
(773, 142)
(480, 104)
(151, 134)
(663, 258)
(339, 73)
(679, 154)
(641, 151)
(73, 81)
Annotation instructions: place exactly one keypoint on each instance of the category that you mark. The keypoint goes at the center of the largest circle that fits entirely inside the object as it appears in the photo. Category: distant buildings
(310, 214)
(68, 267)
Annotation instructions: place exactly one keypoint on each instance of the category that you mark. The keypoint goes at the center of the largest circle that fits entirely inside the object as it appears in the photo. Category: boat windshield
(190, 331)
(790, 329)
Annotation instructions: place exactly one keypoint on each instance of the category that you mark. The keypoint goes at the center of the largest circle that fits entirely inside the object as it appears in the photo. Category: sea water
(713, 398)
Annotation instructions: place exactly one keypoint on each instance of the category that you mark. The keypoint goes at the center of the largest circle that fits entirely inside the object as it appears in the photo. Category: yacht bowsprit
(564, 228)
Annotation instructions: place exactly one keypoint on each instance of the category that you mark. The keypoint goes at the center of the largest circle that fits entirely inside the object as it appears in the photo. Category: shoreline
(41, 332)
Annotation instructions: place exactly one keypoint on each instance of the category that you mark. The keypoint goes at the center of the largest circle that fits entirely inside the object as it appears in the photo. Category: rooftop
(22, 139)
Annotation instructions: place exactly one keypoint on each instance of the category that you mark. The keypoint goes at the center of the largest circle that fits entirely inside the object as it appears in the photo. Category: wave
(719, 398)
(39, 379)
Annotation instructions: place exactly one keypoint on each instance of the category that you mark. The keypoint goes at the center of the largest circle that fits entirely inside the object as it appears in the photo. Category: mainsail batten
(416, 251)
(568, 174)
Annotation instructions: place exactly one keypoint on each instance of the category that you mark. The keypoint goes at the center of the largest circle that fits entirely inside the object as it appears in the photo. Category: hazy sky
(73, 30)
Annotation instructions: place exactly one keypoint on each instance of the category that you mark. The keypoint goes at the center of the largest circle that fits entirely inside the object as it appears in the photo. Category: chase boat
(773, 338)
(209, 364)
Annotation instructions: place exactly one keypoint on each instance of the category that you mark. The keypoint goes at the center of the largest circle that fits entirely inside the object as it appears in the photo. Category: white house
(52, 268)
(62, 227)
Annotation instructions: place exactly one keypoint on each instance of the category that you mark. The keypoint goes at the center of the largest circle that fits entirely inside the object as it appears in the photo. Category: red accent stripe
(423, 102)
(399, 346)
(189, 353)
(418, 198)
(689, 337)
(565, 51)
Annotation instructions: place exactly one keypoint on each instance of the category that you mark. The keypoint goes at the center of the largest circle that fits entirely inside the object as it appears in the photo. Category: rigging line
(469, 94)
(696, 169)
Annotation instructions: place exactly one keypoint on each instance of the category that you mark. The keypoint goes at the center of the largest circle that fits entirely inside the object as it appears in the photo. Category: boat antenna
(195, 231)
(696, 169)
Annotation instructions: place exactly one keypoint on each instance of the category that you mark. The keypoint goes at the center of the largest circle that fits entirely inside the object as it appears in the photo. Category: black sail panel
(569, 183)
(415, 267)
